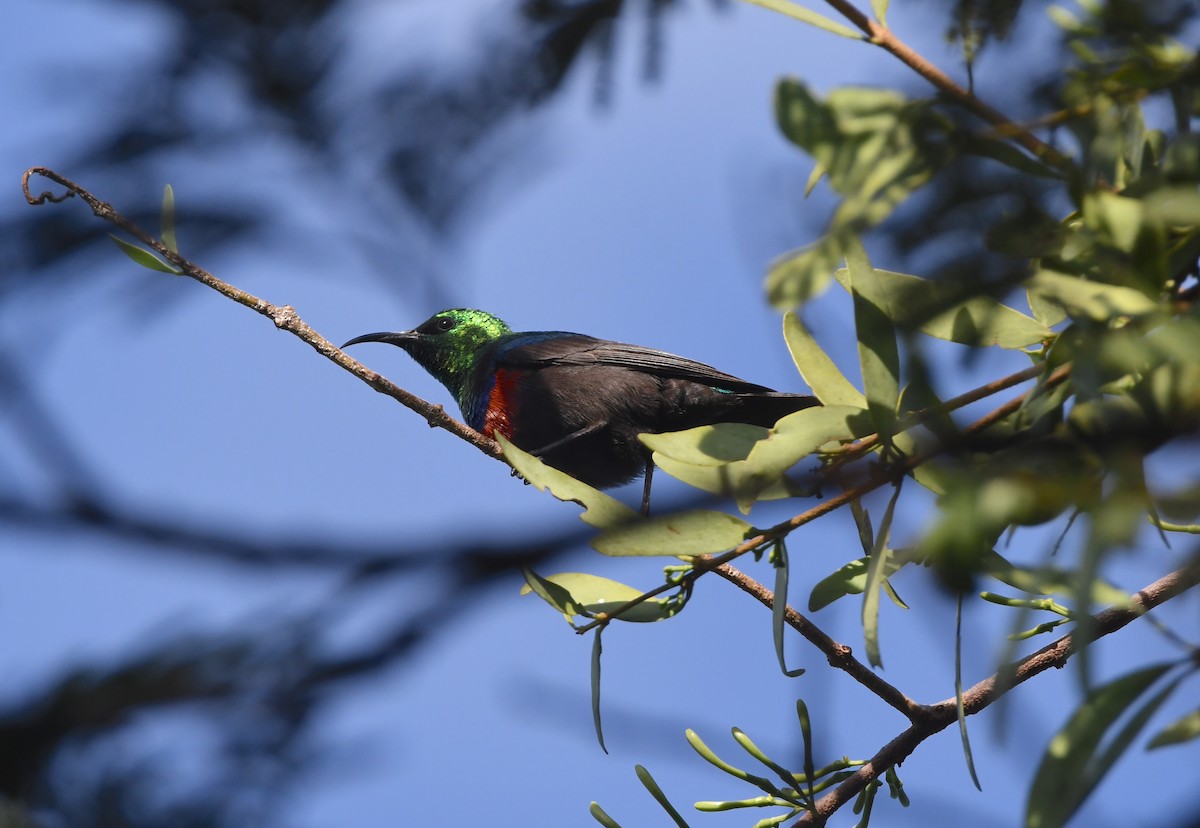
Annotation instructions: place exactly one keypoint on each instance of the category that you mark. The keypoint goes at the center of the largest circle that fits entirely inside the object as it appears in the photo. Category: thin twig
(284, 316)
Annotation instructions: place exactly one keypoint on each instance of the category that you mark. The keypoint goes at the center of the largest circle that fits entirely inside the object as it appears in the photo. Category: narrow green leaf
(604, 819)
(958, 693)
(711, 445)
(579, 593)
(1178, 732)
(695, 532)
(707, 754)
(144, 257)
(880, 7)
(600, 510)
(979, 321)
(862, 521)
(875, 576)
(779, 607)
(878, 353)
(814, 178)
(168, 219)
(828, 383)
(1072, 766)
(810, 17)
(810, 772)
(850, 579)
(655, 791)
(597, 649)
(747, 744)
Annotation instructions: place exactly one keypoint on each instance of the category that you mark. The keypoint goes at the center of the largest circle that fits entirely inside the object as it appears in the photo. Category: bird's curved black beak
(398, 339)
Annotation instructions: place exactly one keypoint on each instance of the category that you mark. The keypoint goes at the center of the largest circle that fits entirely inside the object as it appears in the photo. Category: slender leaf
(880, 8)
(875, 576)
(655, 791)
(597, 649)
(958, 693)
(850, 579)
(828, 383)
(579, 593)
(600, 510)
(809, 766)
(604, 819)
(1181, 730)
(707, 754)
(878, 353)
(809, 16)
(144, 257)
(168, 220)
(779, 607)
(747, 744)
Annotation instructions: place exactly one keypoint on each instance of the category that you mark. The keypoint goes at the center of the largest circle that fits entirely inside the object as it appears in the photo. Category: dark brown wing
(546, 348)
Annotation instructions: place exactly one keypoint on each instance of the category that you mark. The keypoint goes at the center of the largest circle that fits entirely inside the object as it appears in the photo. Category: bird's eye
(445, 323)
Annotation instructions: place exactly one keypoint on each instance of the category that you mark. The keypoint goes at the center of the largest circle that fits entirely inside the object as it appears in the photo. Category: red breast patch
(500, 405)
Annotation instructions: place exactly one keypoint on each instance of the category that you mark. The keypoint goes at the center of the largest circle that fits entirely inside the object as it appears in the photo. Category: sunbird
(578, 402)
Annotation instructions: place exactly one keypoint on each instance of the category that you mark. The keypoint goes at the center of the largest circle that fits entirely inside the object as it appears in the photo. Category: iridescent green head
(447, 345)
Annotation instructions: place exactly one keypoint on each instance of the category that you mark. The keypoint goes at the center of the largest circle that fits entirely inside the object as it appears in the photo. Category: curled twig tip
(45, 195)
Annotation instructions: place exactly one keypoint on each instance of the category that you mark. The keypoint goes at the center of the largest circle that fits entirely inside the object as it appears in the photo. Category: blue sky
(649, 221)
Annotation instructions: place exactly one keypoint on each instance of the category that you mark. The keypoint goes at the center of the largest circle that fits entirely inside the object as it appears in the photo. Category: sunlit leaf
(979, 321)
(828, 383)
(748, 462)
(806, 15)
(648, 782)
(579, 593)
(600, 510)
(878, 353)
(600, 816)
(696, 532)
(850, 579)
(1090, 300)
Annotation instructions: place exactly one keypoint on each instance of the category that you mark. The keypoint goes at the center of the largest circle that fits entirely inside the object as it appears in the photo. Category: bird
(575, 401)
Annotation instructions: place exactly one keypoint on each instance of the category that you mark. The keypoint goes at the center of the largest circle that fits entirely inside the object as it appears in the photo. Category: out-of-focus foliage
(1100, 237)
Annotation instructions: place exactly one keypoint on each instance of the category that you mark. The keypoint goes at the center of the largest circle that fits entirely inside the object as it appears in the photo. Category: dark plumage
(576, 401)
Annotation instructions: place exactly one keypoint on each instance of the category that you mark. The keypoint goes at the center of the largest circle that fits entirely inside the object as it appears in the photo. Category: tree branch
(838, 655)
(883, 37)
(943, 714)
